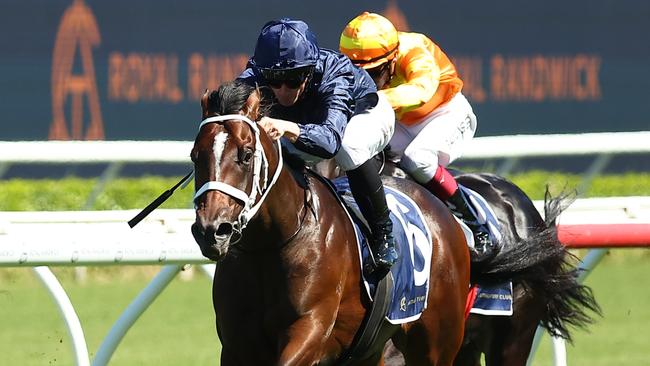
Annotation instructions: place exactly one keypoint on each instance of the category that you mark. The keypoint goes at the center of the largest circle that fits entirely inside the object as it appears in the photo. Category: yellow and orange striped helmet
(369, 40)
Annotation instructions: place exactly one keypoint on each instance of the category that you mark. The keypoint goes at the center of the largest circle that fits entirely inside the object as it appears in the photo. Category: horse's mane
(231, 97)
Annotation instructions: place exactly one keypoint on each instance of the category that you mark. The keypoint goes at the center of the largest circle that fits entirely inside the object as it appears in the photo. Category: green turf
(132, 193)
(178, 328)
(621, 285)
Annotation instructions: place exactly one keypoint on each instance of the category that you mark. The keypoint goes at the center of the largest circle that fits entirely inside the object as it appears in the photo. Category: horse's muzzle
(213, 239)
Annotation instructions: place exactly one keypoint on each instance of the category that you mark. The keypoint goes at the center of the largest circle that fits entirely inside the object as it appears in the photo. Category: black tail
(544, 266)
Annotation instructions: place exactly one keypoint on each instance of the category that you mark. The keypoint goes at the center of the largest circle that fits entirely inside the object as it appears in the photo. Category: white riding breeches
(438, 140)
(366, 135)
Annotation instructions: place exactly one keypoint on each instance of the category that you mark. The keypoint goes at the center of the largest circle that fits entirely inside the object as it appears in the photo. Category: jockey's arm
(323, 138)
(322, 135)
(422, 77)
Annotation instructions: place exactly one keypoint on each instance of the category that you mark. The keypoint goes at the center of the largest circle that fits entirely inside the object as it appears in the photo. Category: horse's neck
(280, 214)
(286, 195)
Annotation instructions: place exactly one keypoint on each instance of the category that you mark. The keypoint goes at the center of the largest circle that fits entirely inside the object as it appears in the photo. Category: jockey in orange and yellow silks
(423, 87)
(424, 77)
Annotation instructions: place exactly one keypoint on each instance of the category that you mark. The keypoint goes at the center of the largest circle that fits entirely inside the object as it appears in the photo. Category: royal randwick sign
(136, 70)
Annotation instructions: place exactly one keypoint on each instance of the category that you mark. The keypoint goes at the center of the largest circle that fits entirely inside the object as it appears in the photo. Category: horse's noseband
(249, 200)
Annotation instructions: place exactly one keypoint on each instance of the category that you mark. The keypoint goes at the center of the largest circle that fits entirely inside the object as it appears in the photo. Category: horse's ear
(205, 103)
(252, 105)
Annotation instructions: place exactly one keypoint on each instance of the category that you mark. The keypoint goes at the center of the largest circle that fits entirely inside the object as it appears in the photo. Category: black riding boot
(368, 191)
(460, 207)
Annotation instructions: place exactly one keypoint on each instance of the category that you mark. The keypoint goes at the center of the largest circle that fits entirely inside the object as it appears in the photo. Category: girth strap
(367, 334)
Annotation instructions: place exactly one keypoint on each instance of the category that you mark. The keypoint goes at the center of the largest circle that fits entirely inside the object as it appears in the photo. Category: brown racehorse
(287, 289)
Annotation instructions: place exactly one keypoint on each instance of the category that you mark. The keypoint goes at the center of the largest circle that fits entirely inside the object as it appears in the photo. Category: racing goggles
(377, 71)
(292, 78)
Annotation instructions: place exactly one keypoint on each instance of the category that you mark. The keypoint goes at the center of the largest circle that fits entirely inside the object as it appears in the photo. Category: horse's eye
(245, 155)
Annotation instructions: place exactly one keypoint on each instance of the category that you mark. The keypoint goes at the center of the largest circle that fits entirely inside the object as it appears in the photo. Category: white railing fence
(510, 149)
(178, 151)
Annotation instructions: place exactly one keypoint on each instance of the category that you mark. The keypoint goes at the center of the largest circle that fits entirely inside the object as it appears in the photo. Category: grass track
(621, 284)
(178, 328)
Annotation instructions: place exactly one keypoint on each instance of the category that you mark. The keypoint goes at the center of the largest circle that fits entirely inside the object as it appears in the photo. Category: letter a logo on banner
(78, 31)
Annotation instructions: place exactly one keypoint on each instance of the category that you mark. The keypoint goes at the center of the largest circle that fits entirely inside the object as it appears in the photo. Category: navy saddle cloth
(413, 241)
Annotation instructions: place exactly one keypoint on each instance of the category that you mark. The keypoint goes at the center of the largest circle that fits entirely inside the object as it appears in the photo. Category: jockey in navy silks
(327, 108)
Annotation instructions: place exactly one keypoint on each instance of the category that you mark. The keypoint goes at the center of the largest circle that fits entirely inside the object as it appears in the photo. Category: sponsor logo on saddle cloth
(413, 242)
(494, 299)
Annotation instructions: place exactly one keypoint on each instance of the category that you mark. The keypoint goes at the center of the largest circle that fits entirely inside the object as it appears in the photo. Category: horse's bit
(250, 206)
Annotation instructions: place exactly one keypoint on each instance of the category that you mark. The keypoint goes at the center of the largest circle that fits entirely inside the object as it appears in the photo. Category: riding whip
(159, 201)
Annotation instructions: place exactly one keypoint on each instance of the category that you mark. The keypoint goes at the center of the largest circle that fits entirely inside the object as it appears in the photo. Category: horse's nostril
(224, 229)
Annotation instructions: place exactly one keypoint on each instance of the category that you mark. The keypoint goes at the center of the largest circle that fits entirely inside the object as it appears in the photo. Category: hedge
(135, 193)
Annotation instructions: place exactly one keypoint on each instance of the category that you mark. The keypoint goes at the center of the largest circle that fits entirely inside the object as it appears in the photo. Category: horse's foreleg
(306, 341)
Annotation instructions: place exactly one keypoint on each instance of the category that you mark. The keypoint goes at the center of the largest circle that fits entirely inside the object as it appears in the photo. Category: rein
(250, 202)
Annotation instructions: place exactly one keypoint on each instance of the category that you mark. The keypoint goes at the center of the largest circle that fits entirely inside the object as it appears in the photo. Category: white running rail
(178, 151)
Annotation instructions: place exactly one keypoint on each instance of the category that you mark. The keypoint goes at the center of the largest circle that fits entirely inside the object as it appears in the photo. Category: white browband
(248, 200)
(228, 117)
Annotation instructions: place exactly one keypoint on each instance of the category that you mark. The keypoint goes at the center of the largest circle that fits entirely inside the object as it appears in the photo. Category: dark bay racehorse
(545, 287)
(287, 289)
